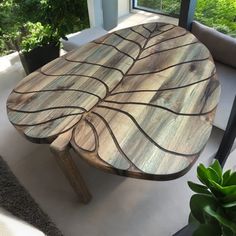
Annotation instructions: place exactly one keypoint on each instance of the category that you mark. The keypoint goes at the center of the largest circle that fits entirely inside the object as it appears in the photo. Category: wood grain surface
(140, 101)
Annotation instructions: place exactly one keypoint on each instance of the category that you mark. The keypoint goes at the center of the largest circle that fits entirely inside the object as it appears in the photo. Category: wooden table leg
(60, 149)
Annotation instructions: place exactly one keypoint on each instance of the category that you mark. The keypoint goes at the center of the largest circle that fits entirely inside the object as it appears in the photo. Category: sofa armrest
(221, 46)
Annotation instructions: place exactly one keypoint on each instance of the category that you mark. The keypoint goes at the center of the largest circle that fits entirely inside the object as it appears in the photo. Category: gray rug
(15, 199)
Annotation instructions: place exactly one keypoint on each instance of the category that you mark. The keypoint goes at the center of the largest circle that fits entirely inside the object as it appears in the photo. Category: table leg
(65, 161)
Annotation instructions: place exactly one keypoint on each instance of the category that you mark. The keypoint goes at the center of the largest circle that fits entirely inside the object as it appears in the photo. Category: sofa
(223, 50)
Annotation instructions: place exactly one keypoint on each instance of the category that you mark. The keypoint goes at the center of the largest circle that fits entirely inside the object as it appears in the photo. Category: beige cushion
(221, 46)
(227, 78)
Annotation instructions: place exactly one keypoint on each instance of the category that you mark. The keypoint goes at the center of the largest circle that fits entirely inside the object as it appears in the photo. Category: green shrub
(26, 24)
(37, 35)
(9, 23)
(219, 14)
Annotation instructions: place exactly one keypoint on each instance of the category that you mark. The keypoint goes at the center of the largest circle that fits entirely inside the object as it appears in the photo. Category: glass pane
(169, 7)
(219, 14)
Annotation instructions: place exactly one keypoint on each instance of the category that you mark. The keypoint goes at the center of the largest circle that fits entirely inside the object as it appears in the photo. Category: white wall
(95, 13)
(123, 7)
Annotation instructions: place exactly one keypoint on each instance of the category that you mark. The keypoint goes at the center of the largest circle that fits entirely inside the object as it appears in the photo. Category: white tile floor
(120, 206)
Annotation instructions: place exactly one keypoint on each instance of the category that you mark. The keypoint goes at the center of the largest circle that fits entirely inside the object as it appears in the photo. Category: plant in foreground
(213, 207)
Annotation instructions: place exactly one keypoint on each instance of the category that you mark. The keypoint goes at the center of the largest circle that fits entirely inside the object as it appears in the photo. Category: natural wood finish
(140, 101)
(60, 149)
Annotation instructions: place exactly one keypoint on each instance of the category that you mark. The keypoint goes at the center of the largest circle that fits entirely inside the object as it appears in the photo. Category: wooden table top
(140, 101)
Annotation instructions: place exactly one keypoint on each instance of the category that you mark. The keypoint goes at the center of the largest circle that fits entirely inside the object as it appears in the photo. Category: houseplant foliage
(213, 207)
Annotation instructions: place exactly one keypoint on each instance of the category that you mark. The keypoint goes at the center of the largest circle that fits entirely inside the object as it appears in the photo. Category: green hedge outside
(219, 14)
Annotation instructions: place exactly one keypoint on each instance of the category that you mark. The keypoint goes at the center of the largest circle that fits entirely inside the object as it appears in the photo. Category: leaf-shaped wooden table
(138, 102)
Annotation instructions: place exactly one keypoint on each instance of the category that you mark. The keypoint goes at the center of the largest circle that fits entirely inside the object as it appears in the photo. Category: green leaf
(226, 177)
(207, 230)
(202, 174)
(192, 220)
(226, 190)
(217, 167)
(214, 175)
(231, 214)
(229, 205)
(231, 180)
(221, 218)
(227, 232)
(229, 198)
(215, 189)
(198, 202)
(198, 188)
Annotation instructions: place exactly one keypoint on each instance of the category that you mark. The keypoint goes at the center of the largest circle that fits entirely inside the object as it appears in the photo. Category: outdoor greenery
(219, 14)
(213, 207)
(26, 24)
(165, 6)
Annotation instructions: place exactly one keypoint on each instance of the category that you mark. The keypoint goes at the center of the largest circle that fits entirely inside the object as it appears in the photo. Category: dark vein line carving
(140, 51)
(54, 136)
(147, 29)
(96, 64)
(47, 121)
(138, 33)
(164, 40)
(110, 45)
(104, 38)
(145, 134)
(165, 89)
(55, 90)
(169, 49)
(181, 63)
(47, 109)
(161, 32)
(97, 144)
(140, 47)
(115, 141)
(126, 73)
(161, 107)
(96, 138)
(78, 75)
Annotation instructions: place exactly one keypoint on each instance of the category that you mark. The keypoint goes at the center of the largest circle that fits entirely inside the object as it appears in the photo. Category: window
(166, 7)
(219, 14)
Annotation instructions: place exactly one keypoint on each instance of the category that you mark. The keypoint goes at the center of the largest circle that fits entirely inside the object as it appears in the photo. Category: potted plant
(213, 207)
(39, 25)
(39, 46)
